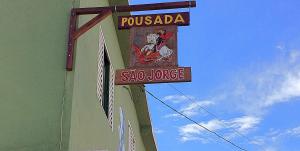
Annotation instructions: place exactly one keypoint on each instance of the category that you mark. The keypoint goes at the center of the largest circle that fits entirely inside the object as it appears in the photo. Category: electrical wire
(190, 119)
(212, 114)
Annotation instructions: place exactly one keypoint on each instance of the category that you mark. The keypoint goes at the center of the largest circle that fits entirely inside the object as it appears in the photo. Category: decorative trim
(111, 95)
(100, 64)
(131, 138)
(100, 72)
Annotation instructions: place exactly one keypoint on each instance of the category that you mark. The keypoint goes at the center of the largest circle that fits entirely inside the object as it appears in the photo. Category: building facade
(43, 107)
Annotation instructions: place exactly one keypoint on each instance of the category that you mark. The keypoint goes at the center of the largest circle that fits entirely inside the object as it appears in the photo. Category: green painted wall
(89, 126)
(32, 47)
(45, 108)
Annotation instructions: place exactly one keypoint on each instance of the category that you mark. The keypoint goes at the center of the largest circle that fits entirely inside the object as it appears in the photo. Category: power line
(212, 114)
(190, 119)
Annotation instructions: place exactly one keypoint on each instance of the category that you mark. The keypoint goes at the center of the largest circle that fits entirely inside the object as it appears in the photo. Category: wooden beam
(103, 12)
(71, 41)
(90, 24)
(74, 34)
(141, 7)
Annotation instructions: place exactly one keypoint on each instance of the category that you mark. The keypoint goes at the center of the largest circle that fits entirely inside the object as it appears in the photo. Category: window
(105, 80)
(106, 77)
(131, 139)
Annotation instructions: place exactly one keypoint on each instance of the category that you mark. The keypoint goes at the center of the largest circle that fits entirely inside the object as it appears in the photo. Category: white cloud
(241, 124)
(178, 98)
(280, 47)
(244, 124)
(270, 149)
(289, 88)
(258, 141)
(294, 132)
(257, 88)
(294, 56)
(192, 109)
(251, 92)
(192, 132)
(158, 131)
(275, 137)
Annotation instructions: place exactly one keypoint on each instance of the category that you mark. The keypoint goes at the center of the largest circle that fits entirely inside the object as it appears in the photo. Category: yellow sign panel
(180, 19)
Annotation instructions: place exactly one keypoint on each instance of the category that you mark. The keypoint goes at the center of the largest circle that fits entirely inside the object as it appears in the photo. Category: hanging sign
(153, 57)
(153, 75)
(153, 47)
(179, 19)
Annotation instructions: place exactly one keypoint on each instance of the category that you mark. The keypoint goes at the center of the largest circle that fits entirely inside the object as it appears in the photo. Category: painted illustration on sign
(153, 46)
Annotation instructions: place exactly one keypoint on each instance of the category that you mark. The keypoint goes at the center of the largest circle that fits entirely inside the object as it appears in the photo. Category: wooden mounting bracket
(74, 33)
(103, 12)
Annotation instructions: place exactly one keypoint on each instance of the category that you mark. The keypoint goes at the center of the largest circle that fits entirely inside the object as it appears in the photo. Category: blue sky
(245, 59)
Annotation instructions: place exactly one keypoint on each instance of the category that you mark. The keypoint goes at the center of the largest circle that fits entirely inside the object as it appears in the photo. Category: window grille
(131, 139)
(105, 80)
(111, 95)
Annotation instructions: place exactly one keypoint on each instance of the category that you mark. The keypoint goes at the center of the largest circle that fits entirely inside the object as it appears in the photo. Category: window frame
(105, 80)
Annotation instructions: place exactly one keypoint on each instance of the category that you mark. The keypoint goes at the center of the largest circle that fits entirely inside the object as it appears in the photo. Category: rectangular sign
(153, 47)
(153, 75)
(179, 19)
